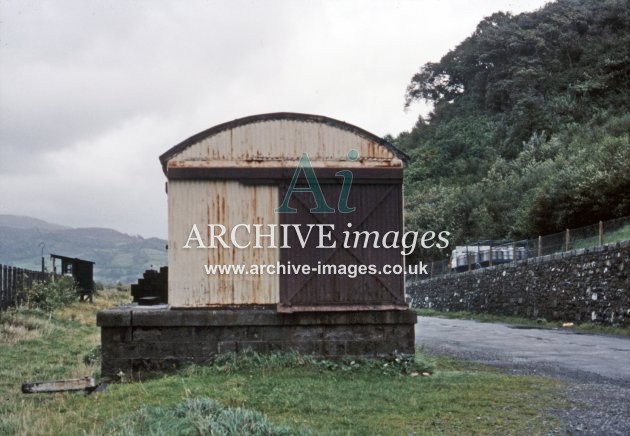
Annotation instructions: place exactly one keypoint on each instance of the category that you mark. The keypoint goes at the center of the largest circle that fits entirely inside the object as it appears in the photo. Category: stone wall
(580, 285)
(138, 339)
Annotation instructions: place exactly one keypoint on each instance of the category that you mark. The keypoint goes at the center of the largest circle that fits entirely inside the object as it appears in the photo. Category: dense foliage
(529, 132)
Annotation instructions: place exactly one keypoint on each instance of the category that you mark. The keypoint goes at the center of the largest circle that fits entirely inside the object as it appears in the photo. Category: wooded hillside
(529, 132)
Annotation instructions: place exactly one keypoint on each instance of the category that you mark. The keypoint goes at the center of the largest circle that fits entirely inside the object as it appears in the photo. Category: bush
(50, 295)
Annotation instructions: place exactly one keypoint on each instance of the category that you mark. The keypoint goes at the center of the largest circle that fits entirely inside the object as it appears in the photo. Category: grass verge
(541, 323)
(276, 394)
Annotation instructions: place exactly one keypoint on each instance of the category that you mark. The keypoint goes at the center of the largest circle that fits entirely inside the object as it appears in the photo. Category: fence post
(468, 259)
(8, 286)
(539, 246)
(601, 233)
(567, 241)
(513, 252)
(1, 287)
(491, 260)
(6, 277)
(11, 285)
(19, 279)
(5, 284)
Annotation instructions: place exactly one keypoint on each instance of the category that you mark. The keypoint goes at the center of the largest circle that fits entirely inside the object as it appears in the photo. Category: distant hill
(118, 257)
(26, 222)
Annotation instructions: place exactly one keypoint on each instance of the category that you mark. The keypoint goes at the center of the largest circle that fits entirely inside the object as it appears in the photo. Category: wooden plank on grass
(76, 384)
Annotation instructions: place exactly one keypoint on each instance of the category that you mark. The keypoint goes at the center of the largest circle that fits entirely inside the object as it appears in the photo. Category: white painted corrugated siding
(218, 202)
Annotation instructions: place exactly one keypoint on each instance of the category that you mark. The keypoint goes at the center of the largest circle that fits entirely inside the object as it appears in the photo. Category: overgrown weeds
(197, 416)
(24, 324)
(250, 360)
(52, 294)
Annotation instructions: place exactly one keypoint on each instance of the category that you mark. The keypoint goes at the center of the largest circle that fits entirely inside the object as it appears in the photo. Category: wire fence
(483, 254)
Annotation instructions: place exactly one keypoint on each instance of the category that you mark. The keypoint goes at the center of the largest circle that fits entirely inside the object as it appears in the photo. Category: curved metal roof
(164, 158)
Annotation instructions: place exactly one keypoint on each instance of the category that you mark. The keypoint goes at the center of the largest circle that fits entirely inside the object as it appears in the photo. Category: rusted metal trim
(275, 117)
(274, 175)
(281, 308)
(226, 307)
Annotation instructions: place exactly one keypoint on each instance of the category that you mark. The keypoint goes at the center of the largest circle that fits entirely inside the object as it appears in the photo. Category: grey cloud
(91, 92)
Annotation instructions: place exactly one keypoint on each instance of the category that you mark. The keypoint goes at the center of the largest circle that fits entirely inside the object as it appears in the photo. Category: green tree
(529, 128)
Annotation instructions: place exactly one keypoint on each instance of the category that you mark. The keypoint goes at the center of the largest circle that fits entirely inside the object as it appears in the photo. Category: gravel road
(596, 368)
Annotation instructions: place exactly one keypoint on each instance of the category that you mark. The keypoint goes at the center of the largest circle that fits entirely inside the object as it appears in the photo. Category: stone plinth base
(158, 338)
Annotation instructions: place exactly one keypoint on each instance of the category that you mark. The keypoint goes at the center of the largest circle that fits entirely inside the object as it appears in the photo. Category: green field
(282, 394)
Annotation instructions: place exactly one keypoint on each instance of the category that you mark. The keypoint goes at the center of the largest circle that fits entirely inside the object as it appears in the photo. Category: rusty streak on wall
(234, 173)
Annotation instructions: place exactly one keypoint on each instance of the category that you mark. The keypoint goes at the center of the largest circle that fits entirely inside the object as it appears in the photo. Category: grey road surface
(596, 368)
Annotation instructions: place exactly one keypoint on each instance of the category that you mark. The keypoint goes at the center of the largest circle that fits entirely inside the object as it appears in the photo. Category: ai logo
(315, 189)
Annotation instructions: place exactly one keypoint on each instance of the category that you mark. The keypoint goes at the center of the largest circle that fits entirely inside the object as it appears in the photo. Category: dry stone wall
(580, 285)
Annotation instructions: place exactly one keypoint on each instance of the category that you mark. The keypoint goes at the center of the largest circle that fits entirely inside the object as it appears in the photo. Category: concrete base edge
(136, 340)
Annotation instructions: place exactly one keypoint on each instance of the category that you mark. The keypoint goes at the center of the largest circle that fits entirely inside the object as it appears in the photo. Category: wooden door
(378, 208)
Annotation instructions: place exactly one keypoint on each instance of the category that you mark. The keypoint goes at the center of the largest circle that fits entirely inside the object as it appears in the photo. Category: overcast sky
(92, 92)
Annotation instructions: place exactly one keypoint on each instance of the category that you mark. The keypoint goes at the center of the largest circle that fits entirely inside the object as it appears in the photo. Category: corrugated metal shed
(238, 172)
